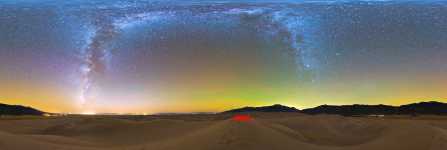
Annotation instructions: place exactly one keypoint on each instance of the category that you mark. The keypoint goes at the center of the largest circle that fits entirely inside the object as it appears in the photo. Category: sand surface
(266, 131)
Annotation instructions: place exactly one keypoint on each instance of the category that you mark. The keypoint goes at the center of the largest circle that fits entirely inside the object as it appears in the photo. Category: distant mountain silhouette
(432, 107)
(273, 108)
(18, 110)
(355, 109)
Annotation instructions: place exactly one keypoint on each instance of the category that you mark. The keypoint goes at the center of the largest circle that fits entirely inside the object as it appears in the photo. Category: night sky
(145, 56)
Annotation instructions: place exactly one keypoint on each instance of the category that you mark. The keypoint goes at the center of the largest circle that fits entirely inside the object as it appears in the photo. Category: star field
(144, 56)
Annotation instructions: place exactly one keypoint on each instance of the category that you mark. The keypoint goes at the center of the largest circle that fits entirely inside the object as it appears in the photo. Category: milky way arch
(272, 22)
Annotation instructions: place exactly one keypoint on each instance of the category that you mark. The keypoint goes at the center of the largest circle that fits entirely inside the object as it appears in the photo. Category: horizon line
(205, 112)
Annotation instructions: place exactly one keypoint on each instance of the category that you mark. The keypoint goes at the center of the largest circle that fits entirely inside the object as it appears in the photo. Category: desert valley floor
(220, 132)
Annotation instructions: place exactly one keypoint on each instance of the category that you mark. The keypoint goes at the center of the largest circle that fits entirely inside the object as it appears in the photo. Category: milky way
(97, 51)
(290, 25)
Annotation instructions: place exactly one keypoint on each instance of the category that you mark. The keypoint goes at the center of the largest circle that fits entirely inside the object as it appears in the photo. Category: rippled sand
(195, 132)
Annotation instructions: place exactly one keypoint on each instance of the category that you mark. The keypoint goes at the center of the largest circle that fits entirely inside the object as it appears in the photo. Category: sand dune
(220, 132)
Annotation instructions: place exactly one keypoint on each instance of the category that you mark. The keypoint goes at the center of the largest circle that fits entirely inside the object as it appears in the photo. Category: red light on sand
(242, 118)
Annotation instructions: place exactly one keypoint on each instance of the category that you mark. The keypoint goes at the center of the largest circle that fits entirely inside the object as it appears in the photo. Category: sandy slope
(267, 131)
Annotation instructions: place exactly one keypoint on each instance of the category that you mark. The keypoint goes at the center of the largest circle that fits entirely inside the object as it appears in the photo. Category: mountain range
(431, 107)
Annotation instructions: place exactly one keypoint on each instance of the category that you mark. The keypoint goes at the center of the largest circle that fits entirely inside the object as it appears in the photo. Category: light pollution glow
(125, 56)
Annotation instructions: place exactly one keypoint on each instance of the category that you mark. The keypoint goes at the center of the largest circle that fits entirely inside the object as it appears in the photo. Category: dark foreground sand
(268, 131)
